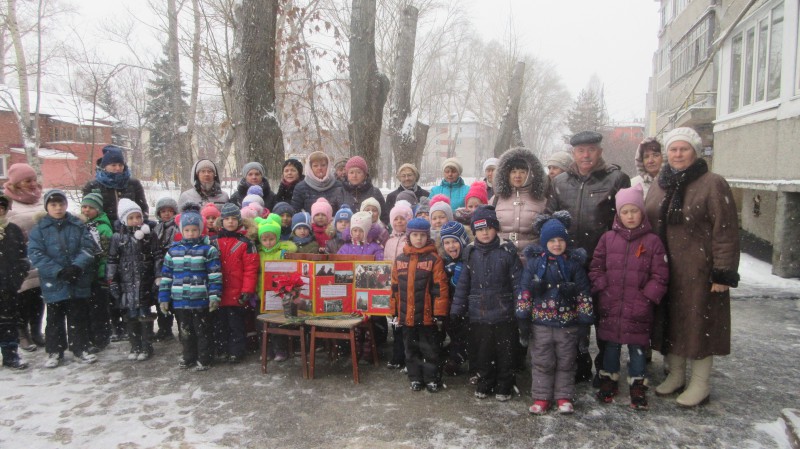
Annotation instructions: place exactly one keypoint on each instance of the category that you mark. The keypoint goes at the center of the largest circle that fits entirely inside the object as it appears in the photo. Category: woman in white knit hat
(452, 185)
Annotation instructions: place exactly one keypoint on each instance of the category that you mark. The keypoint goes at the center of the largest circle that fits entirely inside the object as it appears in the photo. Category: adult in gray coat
(207, 188)
(588, 191)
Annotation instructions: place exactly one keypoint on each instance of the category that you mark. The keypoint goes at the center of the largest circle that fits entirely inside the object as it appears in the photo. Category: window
(693, 49)
(3, 166)
(755, 74)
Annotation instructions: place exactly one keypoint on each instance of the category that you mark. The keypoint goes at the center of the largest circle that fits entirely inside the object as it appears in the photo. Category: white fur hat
(687, 135)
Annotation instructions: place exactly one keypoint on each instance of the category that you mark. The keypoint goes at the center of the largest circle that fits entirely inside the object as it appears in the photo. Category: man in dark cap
(588, 190)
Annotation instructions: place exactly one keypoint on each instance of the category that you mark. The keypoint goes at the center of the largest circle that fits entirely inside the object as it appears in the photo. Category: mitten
(164, 307)
(524, 331)
(114, 290)
(70, 274)
(213, 305)
(568, 289)
(244, 298)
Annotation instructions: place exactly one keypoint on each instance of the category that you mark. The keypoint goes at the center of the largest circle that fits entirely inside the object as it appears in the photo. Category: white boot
(699, 389)
(676, 378)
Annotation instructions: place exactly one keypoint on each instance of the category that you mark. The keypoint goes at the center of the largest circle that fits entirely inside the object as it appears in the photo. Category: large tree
(160, 123)
(589, 111)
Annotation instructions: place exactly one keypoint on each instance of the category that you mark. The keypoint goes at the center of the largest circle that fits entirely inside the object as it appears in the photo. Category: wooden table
(278, 324)
(341, 329)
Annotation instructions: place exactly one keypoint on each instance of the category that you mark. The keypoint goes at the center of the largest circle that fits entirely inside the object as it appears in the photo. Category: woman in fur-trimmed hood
(519, 195)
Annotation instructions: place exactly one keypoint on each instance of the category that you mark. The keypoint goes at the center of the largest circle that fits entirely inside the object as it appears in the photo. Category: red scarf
(320, 234)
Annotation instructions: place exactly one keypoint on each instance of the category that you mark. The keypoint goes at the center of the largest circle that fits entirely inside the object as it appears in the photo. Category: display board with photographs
(333, 288)
(270, 270)
(372, 286)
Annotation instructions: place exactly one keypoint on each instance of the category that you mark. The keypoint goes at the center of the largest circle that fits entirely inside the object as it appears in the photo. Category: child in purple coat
(629, 273)
(360, 240)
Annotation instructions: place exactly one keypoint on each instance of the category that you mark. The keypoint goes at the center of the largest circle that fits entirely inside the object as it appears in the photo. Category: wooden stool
(341, 330)
(274, 323)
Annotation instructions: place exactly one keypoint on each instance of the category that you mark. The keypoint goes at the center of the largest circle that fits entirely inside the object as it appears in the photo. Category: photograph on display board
(324, 269)
(380, 302)
(306, 305)
(343, 276)
(362, 301)
(271, 301)
(376, 276)
(305, 270)
(334, 306)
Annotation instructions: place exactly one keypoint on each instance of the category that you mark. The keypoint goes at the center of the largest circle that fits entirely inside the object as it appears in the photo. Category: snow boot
(25, 341)
(565, 406)
(638, 392)
(609, 387)
(699, 390)
(539, 407)
(676, 379)
(416, 385)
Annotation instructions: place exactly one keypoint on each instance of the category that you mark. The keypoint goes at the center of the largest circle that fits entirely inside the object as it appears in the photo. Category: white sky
(614, 39)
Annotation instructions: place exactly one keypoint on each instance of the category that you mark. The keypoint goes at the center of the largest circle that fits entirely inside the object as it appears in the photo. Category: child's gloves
(568, 289)
(244, 298)
(213, 305)
(164, 306)
(524, 331)
(70, 274)
(439, 321)
(114, 290)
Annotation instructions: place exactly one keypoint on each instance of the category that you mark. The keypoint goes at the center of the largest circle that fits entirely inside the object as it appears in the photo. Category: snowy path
(120, 404)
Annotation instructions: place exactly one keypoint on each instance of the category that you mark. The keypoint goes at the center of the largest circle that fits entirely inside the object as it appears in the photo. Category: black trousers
(99, 315)
(67, 326)
(423, 349)
(398, 346)
(140, 333)
(195, 327)
(229, 333)
(458, 330)
(31, 310)
(495, 356)
(9, 323)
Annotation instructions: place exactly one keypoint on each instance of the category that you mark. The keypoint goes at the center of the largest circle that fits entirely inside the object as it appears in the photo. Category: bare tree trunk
(406, 145)
(179, 148)
(26, 127)
(510, 135)
(193, 95)
(368, 87)
(258, 133)
(3, 29)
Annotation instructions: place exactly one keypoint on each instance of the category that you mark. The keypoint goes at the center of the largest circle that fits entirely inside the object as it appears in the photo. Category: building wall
(761, 151)
(761, 225)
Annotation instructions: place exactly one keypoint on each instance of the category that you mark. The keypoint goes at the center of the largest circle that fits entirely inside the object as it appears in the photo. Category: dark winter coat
(419, 286)
(555, 290)
(197, 195)
(488, 283)
(132, 191)
(286, 192)
(191, 275)
(131, 268)
(241, 192)
(163, 237)
(590, 201)
(692, 321)
(239, 259)
(355, 194)
(629, 273)
(518, 208)
(333, 245)
(370, 248)
(304, 196)
(456, 191)
(391, 198)
(56, 244)
(13, 258)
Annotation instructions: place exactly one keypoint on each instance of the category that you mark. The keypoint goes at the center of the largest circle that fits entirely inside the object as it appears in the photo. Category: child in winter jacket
(372, 206)
(270, 248)
(341, 222)
(63, 250)
(485, 292)
(100, 305)
(630, 274)
(420, 301)
(192, 282)
(131, 275)
(239, 260)
(163, 237)
(454, 239)
(360, 237)
(321, 216)
(13, 269)
(302, 237)
(210, 215)
(441, 213)
(400, 215)
(556, 297)
(476, 196)
(286, 212)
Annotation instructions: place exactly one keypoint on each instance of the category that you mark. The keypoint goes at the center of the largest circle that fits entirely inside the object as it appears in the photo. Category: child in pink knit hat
(321, 216)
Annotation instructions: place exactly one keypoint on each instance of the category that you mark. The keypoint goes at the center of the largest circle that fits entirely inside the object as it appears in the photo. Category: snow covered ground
(120, 404)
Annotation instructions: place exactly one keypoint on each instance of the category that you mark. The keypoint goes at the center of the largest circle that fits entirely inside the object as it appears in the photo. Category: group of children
(482, 294)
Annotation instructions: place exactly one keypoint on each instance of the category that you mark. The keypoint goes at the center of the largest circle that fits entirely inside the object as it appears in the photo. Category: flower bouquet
(288, 288)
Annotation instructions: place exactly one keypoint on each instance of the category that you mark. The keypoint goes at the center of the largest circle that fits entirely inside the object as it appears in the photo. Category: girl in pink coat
(629, 273)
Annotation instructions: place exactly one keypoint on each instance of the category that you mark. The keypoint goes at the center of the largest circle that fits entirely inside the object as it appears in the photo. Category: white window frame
(753, 24)
(692, 50)
(4, 166)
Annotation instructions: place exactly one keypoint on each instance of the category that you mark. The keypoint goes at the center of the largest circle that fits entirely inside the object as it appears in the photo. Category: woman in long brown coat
(695, 215)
